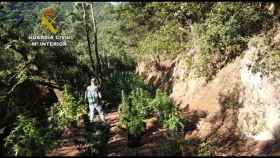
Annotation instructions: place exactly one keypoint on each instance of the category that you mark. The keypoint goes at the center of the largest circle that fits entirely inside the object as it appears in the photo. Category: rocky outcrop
(243, 99)
(194, 94)
(260, 117)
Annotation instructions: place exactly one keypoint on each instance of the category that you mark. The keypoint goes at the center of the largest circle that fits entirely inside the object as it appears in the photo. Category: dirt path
(70, 144)
(152, 141)
(73, 142)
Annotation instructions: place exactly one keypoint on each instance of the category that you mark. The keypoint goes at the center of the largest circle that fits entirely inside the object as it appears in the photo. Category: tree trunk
(88, 39)
(98, 66)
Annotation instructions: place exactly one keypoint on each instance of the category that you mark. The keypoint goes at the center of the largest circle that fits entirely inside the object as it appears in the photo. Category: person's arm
(86, 94)
(99, 94)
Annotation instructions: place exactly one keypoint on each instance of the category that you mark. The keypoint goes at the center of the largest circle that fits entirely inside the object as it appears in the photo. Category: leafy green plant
(81, 110)
(265, 59)
(119, 81)
(178, 144)
(199, 67)
(26, 139)
(66, 112)
(172, 122)
(133, 110)
(96, 138)
(140, 102)
(227, 21)
(224, 34)
(205, 149)
(124, 110)
(136, 126)
(166, 40)
(139, 105)
(162, 105)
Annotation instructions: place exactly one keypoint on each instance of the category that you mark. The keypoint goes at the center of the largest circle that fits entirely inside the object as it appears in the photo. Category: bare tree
(88, 38)
(95, 42)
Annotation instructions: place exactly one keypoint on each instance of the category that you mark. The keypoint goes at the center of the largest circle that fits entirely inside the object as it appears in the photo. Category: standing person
(92, 94)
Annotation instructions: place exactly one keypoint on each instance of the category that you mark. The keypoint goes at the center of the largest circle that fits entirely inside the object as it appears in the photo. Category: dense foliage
(225, 32)
(26, 136)
(140, 105)
(67, 112)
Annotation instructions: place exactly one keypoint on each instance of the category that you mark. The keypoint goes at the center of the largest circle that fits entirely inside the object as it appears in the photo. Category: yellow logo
(48, 20)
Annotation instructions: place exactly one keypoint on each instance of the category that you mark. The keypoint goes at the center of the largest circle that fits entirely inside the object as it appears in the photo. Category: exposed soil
(117, 144)
(72, 144)
(153, 142)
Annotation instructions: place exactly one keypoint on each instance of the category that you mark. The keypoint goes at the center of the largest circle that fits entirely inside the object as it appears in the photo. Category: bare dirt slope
(72, 145)
(218, 99)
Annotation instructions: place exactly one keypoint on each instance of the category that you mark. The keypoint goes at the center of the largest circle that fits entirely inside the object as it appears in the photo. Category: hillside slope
(241, 100)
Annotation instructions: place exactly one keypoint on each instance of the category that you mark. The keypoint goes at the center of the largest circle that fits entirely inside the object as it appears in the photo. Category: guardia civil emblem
(48, 20)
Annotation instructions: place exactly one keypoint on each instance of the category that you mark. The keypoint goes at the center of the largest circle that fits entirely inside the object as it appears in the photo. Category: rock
(67, 132)
(191, 136)
(151, 123)
(260, 116)
(263, 147)
(115, 129)
(195, 94)
(205, 128)
(201, 114)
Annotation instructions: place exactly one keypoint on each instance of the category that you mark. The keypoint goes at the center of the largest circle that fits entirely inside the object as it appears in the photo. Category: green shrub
(161, 104)
(205, 149)
(199, 67)
(136, 125)
(224, 34)
(193, 11)
(230, 23)
(133, 110)
(121, 81)
(139, 105)
(172, 121)
(97, 136)
(166, 40)
(26, 139)
(124, 110)
(266, 58)
(140, 99)
(62, 115)
(177, 144)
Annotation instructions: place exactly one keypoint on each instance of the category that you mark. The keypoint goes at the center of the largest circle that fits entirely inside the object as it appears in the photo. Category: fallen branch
(50, 84)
